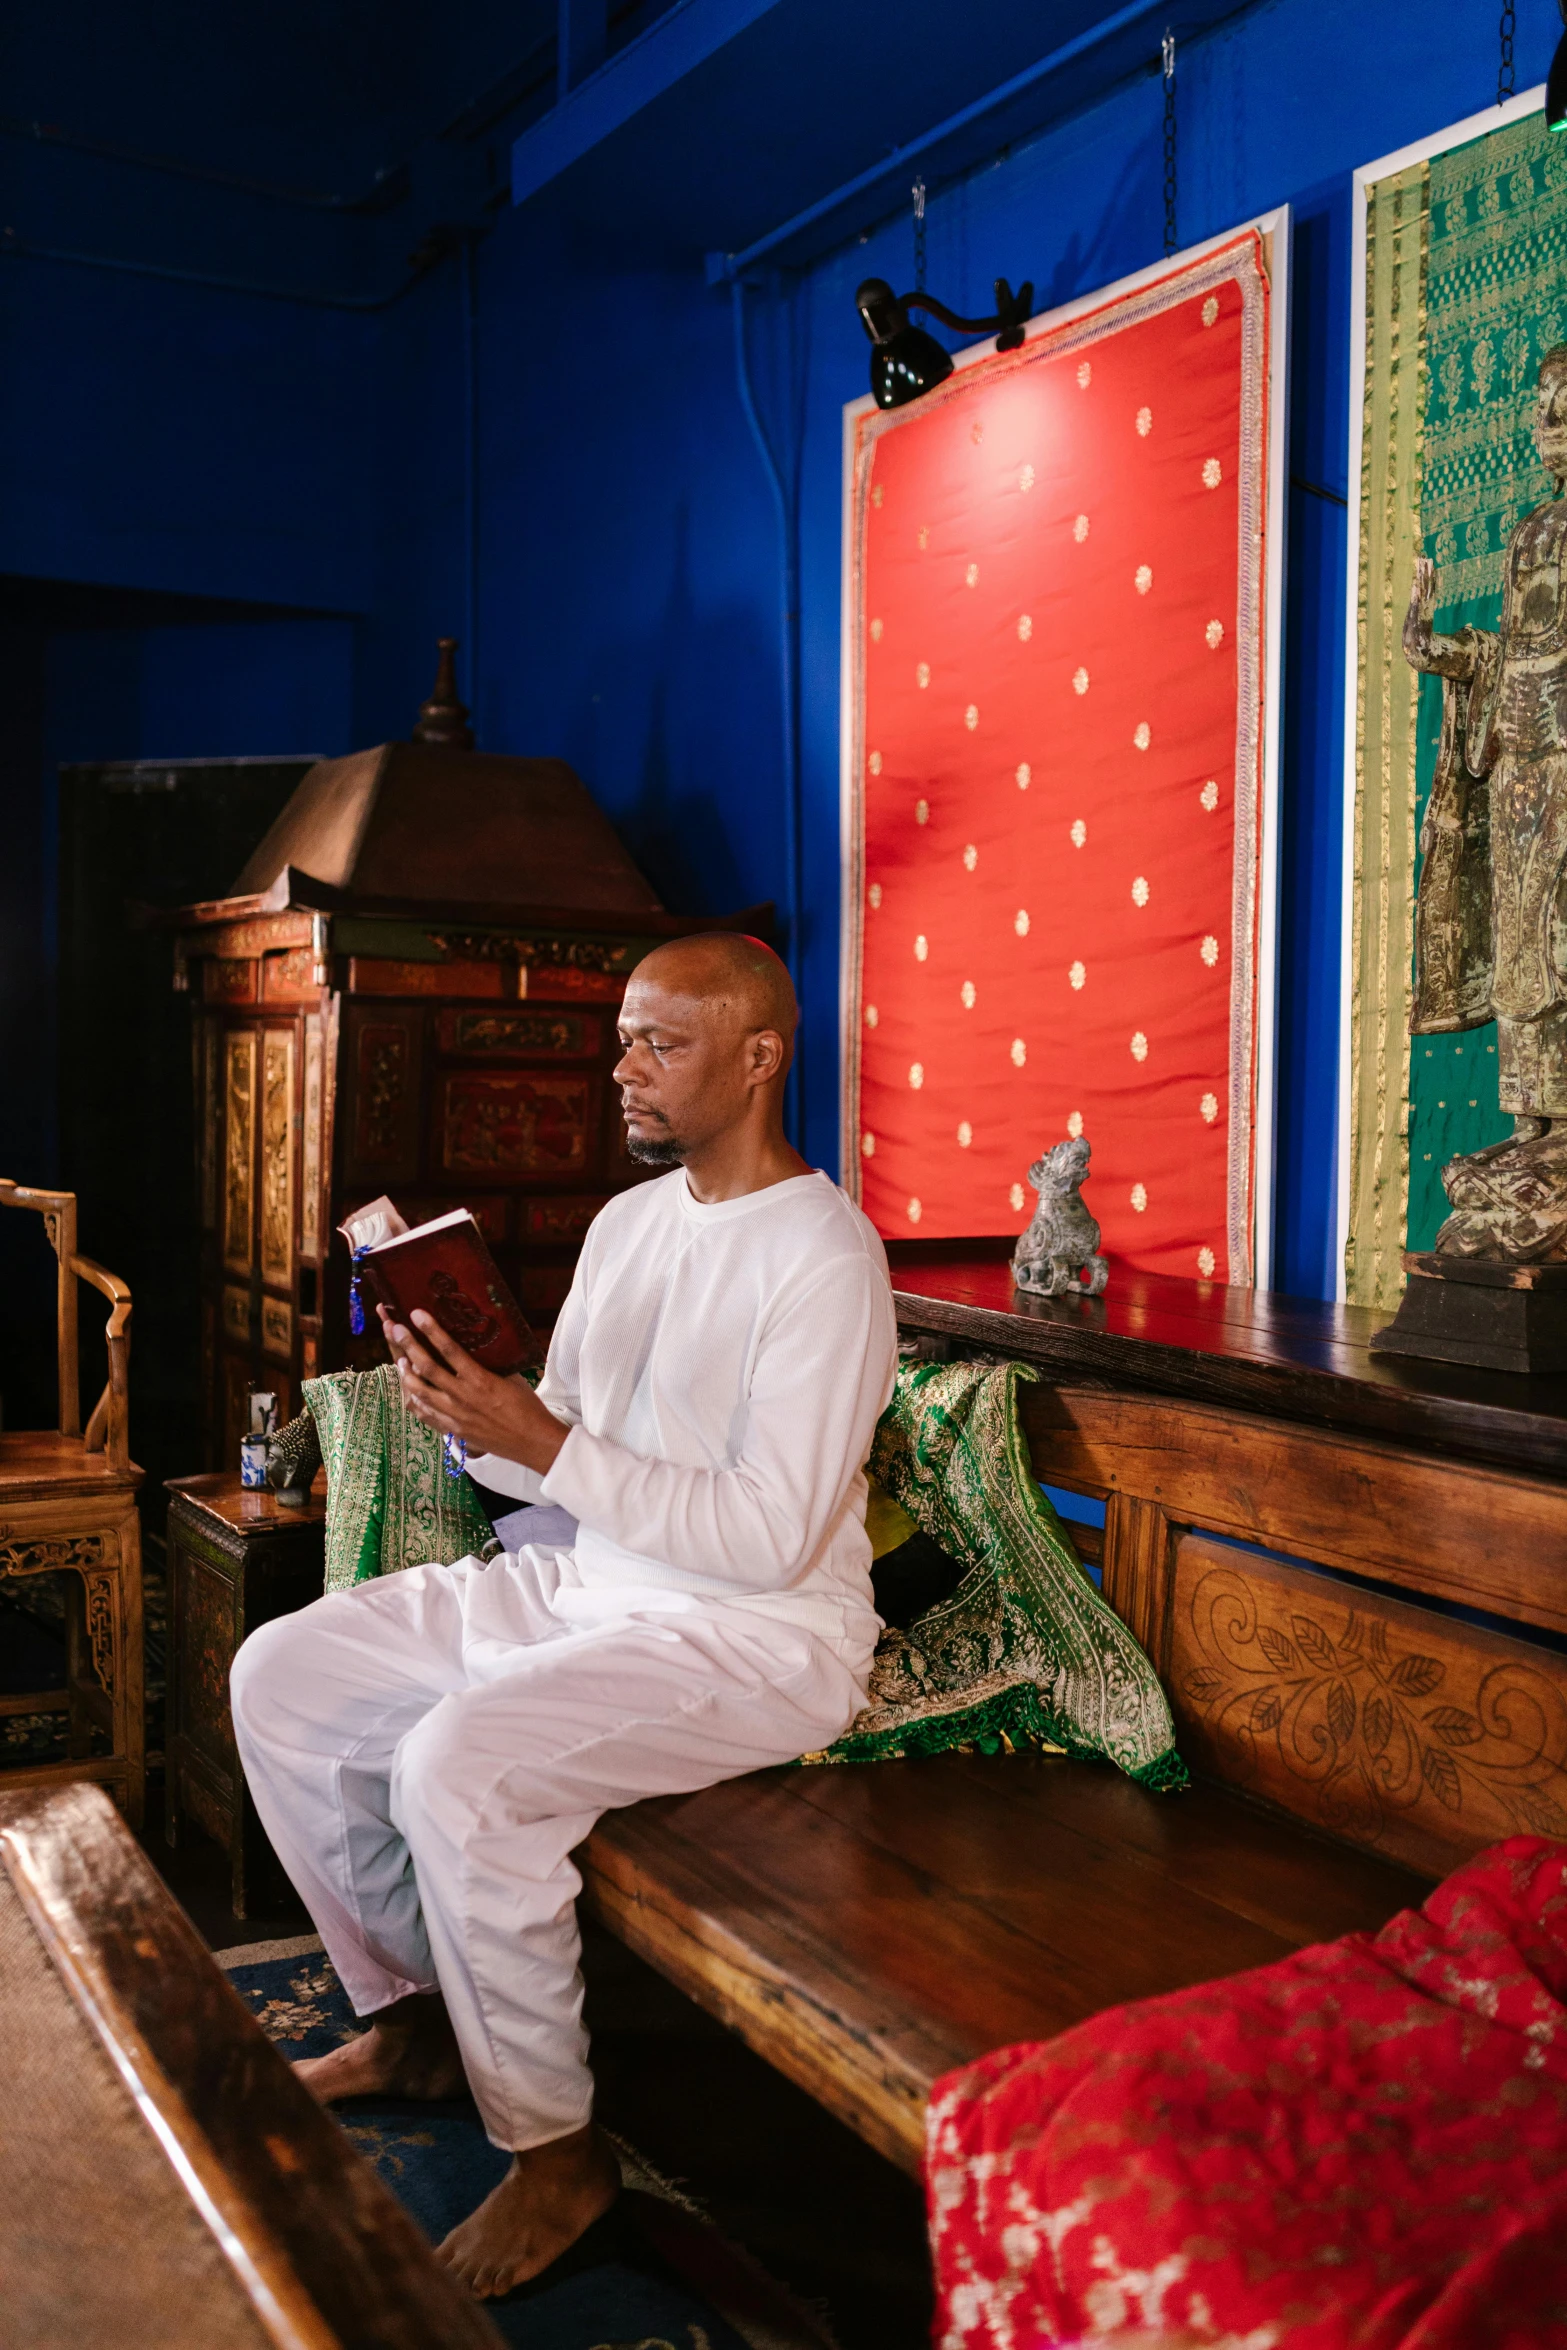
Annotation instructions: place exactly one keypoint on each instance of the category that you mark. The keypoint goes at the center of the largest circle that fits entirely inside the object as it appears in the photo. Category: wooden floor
(868, 1928)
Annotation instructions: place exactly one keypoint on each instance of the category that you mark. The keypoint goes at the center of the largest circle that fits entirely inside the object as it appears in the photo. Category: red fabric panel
(1361, 2145)
(1052, 557)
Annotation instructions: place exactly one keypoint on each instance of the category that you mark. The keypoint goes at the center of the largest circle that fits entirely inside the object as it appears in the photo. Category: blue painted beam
(1128, 19)
(580, 43)
(692, 32)
(729, 117)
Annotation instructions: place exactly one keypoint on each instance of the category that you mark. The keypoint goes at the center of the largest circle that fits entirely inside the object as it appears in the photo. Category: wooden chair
(68, 1502)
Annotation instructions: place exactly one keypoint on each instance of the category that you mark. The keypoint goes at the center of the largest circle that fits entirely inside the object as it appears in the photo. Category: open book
(446, 1268)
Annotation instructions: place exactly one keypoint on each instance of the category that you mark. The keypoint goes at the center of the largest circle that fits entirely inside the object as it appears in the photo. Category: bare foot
(410, 2050)
(550, 2196)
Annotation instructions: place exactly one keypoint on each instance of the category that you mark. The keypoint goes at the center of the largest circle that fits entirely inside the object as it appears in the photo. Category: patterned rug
(652, 2276)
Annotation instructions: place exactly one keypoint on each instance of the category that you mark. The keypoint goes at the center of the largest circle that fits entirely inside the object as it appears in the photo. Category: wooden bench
(166, 2183)
(1289, 1524)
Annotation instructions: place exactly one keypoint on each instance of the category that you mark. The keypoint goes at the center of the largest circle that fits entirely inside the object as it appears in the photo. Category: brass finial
(443, 719)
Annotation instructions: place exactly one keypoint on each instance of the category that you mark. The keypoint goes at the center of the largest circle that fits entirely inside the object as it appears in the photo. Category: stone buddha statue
(1491, 911)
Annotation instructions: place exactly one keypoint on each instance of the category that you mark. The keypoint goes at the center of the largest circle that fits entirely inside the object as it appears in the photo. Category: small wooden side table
(236, 1560)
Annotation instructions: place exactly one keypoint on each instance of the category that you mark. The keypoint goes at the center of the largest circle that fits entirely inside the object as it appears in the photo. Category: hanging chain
(1168, 55)
(918, 193)
(1506, 77)
(1169, 142)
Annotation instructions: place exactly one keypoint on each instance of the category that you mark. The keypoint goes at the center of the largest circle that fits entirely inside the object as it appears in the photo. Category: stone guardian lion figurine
(1062, 1241)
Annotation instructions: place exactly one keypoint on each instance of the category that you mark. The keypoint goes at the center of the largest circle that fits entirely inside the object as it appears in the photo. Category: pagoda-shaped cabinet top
(420, 821)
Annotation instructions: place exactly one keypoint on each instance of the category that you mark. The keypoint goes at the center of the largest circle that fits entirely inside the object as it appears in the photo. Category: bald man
(687, 1596)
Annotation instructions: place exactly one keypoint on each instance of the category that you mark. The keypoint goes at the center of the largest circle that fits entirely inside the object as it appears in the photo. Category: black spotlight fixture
(1556, 81)
(905, 360)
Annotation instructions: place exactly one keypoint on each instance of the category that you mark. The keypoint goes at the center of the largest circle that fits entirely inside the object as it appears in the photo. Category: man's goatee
(667, 1153)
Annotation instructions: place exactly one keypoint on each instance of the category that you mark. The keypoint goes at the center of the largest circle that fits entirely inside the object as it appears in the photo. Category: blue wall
(607, 540)
(630, 572)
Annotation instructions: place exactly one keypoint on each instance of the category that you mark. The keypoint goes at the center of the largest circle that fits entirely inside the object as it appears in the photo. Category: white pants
(426, 1750)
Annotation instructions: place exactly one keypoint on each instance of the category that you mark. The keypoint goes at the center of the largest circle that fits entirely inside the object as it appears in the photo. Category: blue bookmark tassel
(356, 1303)
(454, 1455)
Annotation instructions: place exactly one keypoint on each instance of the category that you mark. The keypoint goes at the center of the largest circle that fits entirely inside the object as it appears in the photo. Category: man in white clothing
(426, 1750)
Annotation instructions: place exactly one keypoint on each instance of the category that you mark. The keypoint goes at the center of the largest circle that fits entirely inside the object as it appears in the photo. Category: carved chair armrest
(23, 1195)
(58, 1210)
(110, 1421)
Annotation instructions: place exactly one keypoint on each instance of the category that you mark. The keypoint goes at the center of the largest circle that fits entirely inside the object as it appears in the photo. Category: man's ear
(767, 1055)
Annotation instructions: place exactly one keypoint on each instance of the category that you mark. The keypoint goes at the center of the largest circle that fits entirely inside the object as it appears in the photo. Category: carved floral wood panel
(1380, 1722)
(228, 982)
(522, 1125)
(289, 978)
(384, 1058)
(379, 975)
(95, 1557)
(563, 1035)
(239, 1148)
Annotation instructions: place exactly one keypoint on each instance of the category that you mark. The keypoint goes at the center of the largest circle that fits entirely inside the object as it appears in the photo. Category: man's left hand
(445, 1388)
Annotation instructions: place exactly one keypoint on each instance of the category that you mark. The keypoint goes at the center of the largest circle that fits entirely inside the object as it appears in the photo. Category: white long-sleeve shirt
(723, 1368)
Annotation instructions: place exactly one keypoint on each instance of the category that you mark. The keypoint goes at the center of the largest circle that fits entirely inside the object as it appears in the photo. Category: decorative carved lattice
(580, 954)
(48, 1555)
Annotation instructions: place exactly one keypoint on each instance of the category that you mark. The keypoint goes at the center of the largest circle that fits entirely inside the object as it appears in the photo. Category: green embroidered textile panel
(390, 1503)
(1466, 289)
(1025, 1652)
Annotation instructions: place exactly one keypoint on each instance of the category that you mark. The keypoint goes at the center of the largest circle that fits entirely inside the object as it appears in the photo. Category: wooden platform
(1240, 1349)
(868, 1928)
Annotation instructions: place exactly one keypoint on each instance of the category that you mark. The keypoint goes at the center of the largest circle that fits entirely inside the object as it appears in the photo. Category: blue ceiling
(335, 151)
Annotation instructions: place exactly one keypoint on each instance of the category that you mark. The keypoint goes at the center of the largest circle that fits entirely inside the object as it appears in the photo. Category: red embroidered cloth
(1054, 775)
(1363, 2145)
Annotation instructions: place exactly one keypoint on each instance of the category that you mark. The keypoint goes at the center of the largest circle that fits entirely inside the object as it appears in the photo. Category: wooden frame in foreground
(321, 2251)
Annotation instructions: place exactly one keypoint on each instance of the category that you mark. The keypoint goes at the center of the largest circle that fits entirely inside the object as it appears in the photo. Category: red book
(445, 1268)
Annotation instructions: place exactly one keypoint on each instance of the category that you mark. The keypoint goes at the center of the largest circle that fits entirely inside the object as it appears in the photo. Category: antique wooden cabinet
(411, 990)
(236, 1560)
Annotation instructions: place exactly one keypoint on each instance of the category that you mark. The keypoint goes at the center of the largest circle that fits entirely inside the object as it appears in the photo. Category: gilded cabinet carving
(209, 1115)
(310, 1143)
(239, 1149)
(277, 1156)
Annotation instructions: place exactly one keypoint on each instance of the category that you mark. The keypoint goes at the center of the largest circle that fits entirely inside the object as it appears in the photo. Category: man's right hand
(443, 1386)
